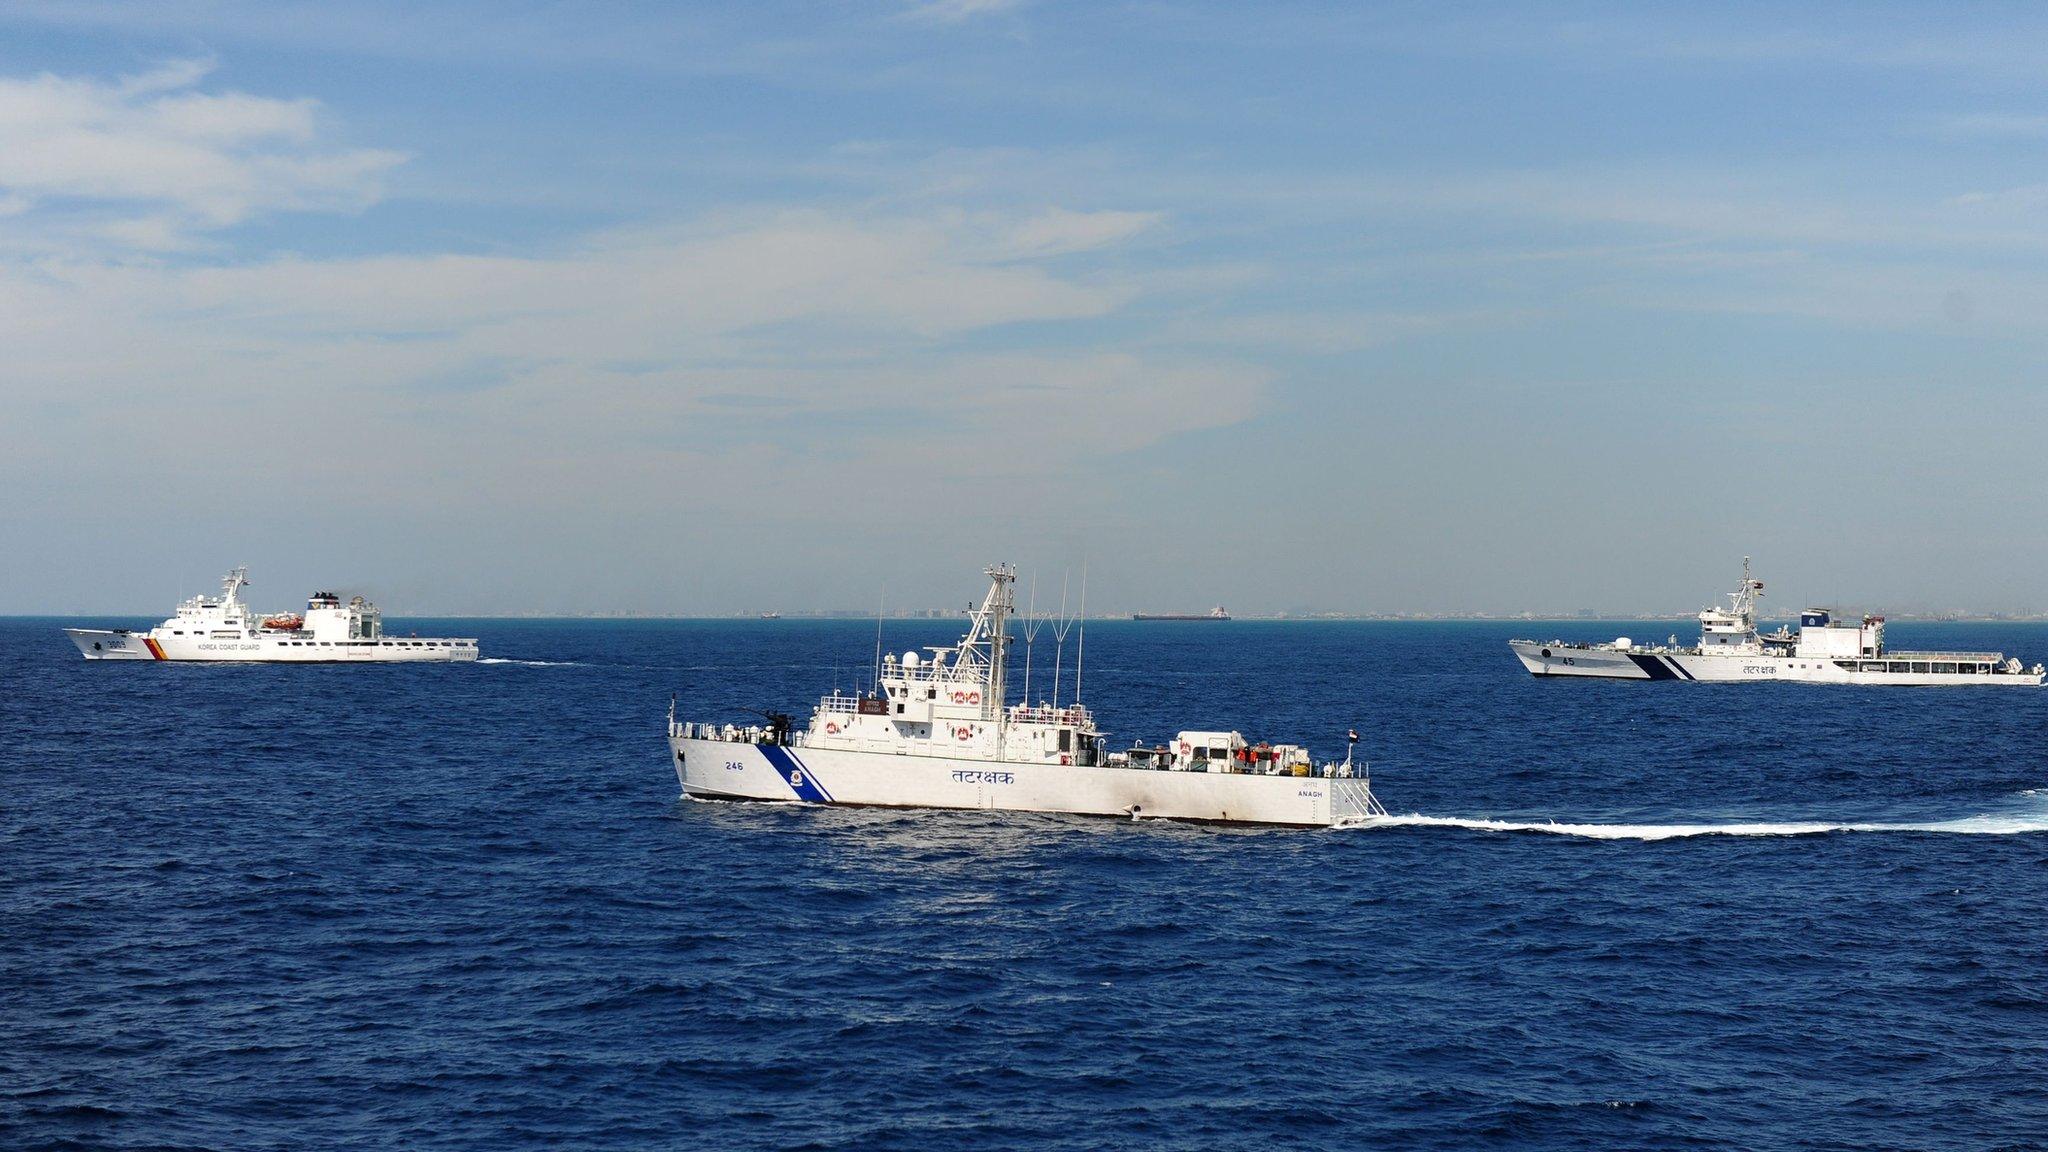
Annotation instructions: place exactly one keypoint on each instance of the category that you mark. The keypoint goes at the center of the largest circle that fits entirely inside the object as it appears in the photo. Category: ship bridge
(951, 701)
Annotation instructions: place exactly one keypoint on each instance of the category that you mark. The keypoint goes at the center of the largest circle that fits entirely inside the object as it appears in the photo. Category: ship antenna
(881, 603)
(1030, 629)
(1081, 649)
(1059, 633)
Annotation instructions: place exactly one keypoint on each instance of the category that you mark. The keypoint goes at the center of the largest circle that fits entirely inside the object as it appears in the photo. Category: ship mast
(984, 652)
(1745, 600)
(230, 583)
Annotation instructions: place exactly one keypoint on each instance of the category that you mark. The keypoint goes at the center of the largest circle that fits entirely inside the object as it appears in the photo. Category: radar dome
(1624, 643)
(910, 659)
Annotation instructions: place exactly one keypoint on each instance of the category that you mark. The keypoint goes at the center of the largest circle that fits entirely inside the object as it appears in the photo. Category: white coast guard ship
(940, 732)
(224, 628)
(1824, 651)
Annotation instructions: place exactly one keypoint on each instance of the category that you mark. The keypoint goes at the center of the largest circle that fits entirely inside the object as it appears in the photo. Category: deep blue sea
(463, 907)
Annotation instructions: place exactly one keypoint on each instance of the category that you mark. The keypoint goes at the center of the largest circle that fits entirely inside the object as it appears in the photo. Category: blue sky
(1409, 307)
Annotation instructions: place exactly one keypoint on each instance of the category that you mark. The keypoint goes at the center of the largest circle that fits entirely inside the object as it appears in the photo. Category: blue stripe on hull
(1654, 667)
(794, 774)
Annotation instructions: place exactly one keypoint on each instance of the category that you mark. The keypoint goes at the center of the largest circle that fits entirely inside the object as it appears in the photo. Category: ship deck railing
(759, 734)
(1608, 646)
(722, 733)
(1073, 714)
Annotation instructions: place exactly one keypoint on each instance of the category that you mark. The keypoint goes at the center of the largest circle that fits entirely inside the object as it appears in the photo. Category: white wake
(531, 663)
(1987, 824)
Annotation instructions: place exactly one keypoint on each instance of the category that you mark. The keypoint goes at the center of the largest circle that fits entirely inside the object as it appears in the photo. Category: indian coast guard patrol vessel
(1824, 651)
(224, 628)
(940, 732)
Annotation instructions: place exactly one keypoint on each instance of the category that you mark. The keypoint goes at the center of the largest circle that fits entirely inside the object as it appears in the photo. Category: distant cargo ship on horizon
(1216, 613)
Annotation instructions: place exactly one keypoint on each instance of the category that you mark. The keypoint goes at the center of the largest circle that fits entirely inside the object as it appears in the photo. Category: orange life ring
(831, 728)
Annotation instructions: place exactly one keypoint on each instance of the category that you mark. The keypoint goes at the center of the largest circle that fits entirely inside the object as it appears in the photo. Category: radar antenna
(233, 581)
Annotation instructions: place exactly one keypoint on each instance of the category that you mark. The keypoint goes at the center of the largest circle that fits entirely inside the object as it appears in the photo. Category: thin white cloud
(648, 292)
(815, 338)
(1060, 231)
(1324, 332)
(955, 11)
(170, 158)
(2026, 196)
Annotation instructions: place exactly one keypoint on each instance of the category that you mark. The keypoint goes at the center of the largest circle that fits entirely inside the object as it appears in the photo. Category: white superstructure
(939, 731)
(224, 628)
(1823, 651)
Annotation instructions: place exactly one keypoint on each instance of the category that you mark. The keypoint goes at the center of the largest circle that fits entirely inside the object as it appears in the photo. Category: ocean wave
(532, 663)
